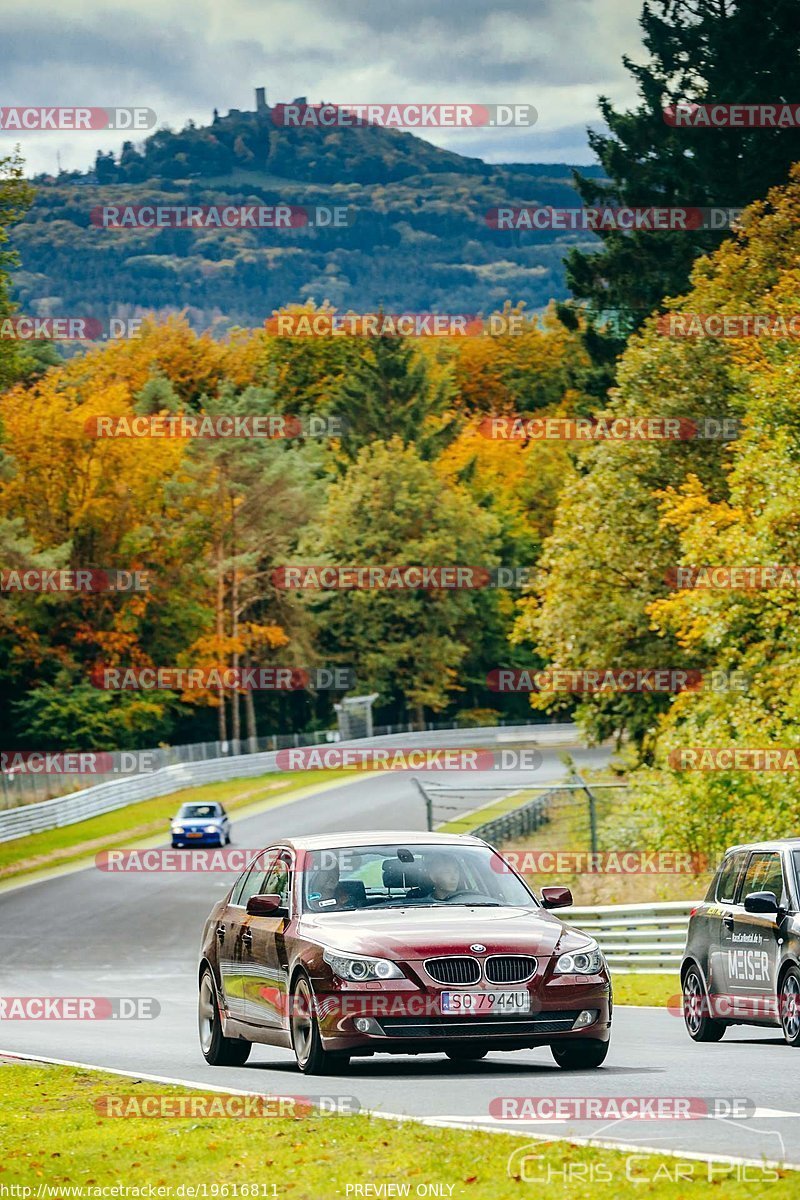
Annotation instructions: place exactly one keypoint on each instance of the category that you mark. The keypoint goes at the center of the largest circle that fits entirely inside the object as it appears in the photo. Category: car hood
(423, 932)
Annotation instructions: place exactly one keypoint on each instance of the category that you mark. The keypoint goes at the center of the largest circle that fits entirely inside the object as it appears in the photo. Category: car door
(717, 914)
(750, 940)
(230, 932)
(266, 964)
(225, 934)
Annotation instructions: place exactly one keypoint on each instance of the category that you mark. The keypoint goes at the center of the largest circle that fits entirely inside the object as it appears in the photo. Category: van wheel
(699, 1025)
(789, 1006)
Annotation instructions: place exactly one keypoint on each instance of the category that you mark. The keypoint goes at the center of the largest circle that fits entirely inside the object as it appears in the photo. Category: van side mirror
(556, 897)
(761, 902)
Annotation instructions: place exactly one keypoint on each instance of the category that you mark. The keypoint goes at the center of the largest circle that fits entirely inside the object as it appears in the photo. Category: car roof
(378, 837)
(772, 844)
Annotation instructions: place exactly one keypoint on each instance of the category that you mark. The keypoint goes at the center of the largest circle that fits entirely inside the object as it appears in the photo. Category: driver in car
(444, 874)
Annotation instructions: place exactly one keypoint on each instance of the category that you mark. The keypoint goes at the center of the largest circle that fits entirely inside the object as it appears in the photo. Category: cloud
(184, 61)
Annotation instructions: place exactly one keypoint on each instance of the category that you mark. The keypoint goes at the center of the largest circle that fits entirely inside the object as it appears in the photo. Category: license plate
(478, 1003)
(194, 835)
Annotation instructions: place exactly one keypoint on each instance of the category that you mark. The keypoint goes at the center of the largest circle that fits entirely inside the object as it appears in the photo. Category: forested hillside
(418, 238)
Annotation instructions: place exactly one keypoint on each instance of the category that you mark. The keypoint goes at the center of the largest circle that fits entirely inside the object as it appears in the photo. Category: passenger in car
(323, 885)
(350, 893)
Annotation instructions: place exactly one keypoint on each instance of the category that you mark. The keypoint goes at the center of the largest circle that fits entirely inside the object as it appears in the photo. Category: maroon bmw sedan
(396, 943)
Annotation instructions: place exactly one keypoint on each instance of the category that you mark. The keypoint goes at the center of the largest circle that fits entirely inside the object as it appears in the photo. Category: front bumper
(181, 840)
(401, 1020)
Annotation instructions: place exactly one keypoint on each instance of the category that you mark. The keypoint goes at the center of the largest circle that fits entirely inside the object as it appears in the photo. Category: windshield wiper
(444, 904)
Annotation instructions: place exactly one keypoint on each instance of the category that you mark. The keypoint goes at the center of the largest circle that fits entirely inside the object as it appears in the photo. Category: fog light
(587, 1017)
(368, 1025)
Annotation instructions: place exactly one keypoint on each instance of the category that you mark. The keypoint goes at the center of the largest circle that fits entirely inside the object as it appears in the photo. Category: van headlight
(360, 970)
(587, 961)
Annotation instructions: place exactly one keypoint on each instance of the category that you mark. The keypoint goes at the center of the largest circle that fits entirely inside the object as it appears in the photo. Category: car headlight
(361, 969)
(580, 962)
(212, 828)
(177, 829)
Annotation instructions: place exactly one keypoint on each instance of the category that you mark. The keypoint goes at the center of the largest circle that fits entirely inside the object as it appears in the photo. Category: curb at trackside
(478, 1126)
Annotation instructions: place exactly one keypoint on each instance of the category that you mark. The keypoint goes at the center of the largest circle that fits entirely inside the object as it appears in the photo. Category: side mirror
(264, 906)
(556, 897)
(761, 902)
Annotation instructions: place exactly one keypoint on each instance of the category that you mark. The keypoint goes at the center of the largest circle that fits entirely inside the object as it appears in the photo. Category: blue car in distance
(201, 825)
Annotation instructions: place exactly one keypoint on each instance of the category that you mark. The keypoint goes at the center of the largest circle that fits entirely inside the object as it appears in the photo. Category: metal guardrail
(107, 797)
(520, 821)
(30, 787)
(646, 938)
(117, 793)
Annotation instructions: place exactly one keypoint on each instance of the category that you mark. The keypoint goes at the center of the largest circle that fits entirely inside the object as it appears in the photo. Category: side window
(728, 876)
(250, 885)
(277, 881)
(764, 874)
(240, 882)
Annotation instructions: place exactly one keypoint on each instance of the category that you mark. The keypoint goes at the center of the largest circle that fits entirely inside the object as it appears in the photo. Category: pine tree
(390, 393)
(703, 52)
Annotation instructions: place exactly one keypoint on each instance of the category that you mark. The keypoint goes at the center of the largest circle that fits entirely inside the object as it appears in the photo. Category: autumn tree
(252, 496)
(391, 509)
(700, 52)
(609, 557)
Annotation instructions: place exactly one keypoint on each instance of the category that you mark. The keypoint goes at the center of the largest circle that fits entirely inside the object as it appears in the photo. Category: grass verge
(149, 818)
(656, 990)
(54, 1138)
(487, 812)
(620, 828)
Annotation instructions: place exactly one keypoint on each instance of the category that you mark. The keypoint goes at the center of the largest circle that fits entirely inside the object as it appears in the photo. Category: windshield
(397, 876)
(198, 811)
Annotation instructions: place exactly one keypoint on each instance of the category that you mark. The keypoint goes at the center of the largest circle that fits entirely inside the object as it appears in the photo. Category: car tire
(789, 1006)
(467, 1053)
(581, 1054)
(218, 1050)
(699, 1025)
(312, 1058)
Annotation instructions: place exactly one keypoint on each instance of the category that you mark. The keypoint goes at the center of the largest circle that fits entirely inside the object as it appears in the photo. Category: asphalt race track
(91, 933)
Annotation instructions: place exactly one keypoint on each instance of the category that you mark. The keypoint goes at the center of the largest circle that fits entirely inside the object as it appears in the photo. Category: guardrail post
(428, 803)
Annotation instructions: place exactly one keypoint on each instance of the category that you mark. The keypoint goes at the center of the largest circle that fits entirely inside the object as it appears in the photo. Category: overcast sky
(184, 59)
